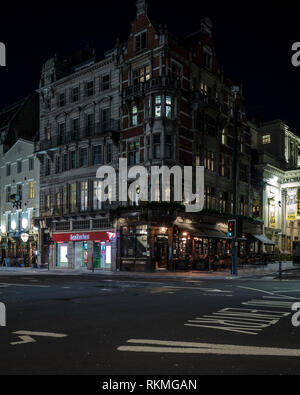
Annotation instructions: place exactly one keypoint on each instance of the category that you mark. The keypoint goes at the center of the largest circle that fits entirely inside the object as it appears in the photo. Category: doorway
(162, 252)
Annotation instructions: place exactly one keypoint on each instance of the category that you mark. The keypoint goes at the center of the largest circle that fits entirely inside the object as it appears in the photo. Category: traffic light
(231, 228)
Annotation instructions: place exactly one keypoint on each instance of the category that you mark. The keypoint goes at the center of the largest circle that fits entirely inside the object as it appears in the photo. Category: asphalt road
(99, 325)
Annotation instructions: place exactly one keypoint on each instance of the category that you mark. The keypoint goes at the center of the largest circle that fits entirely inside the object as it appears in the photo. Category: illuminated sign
(86, 236)
(291, 204)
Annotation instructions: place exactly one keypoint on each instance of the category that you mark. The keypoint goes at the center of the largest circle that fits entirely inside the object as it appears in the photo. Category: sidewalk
(271, 269)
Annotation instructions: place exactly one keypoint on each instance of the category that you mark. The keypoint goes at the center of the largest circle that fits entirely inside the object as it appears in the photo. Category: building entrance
(162, 252)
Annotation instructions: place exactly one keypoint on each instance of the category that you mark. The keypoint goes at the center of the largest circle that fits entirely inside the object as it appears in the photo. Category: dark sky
(253, 43)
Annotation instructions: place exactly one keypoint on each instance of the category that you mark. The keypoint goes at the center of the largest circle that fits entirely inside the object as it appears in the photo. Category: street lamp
(24, 237)
(235, 180)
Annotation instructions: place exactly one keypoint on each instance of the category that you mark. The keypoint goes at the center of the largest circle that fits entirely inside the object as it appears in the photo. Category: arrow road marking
(160, 346)
(25, 336)
(25, 339)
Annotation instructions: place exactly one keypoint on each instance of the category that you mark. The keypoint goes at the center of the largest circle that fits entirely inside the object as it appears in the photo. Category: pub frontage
(161, 239)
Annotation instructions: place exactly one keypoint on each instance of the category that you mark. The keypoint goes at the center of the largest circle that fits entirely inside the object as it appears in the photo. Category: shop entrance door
(77, 255)
(162, 252)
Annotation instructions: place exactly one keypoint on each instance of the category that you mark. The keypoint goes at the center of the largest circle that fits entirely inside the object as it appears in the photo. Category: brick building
(177, 109)
(155, 100)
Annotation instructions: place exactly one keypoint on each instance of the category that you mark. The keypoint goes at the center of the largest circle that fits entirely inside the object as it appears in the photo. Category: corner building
(177, 109)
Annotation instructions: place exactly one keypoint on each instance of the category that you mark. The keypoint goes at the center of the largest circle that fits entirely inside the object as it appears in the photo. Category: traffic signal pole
(235, 184)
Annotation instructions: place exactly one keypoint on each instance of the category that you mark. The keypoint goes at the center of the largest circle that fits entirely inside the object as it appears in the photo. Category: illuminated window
(134, 116)
(31, 190)
(209, 161)
(266, 139)
(168, 107)
(84, 196)
(141, 75)
(73, 200)
(97, 200)
(224, 138)
(157, 106)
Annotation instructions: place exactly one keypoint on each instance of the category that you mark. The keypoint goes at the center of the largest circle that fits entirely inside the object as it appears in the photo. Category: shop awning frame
(263, 239)
(202, 233)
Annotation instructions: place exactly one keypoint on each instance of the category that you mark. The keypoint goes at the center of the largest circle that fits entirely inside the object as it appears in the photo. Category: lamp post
(235, 182)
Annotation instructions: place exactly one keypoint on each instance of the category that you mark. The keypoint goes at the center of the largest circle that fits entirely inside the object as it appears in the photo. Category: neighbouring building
(79, 131)
(19, 179)
(279, 166)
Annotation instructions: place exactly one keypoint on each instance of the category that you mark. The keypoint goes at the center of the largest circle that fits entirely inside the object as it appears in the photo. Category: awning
(264, 240)
(197, 232)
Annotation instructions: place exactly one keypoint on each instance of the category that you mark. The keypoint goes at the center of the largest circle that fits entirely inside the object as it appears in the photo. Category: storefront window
(62, 255)
(134, 241)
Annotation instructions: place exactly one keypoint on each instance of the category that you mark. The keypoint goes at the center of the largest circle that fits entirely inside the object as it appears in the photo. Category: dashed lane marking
(22, 285)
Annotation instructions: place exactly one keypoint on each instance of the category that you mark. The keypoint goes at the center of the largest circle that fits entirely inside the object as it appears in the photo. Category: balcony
(201, 100)
(152, 84)
(66, 211)
(96, 130)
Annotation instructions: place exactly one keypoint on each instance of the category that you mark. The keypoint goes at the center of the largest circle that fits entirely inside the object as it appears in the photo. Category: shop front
(91, 250)
(167, 248)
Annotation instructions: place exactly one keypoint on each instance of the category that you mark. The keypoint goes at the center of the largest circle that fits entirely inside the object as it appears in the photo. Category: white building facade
(19, 197)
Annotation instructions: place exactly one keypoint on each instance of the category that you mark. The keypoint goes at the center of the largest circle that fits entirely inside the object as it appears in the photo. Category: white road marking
(269, 303)
(178, 287)
(22, 285)
(26, 336)
(159, 346)
(258, 290)
(239, 320)
(197, 288)
(288, 291)
(25, 339)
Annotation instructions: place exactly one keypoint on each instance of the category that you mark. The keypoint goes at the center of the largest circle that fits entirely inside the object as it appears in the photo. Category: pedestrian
(33, 260)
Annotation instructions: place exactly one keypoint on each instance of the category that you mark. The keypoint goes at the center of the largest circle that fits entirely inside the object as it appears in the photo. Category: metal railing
(153, 83)
(211, 101)
(76, 135)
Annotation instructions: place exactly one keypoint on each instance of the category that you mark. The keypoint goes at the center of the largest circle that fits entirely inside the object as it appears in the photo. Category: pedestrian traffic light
(231, 228)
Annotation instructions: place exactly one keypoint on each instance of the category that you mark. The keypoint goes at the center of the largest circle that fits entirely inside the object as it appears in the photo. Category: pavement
(119, 324)
(245, 271)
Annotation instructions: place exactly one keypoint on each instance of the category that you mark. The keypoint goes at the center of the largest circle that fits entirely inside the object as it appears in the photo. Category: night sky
(253, 43)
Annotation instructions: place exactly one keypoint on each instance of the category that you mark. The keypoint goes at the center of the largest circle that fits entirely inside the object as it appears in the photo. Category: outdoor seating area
(218, 263)
(13, 262)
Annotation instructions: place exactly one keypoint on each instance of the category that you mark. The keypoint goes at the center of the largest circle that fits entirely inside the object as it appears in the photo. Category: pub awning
(201, 232)
(264, 239)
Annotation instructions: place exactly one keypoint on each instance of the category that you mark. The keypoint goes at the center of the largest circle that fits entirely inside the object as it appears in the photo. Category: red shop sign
(83, 236)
